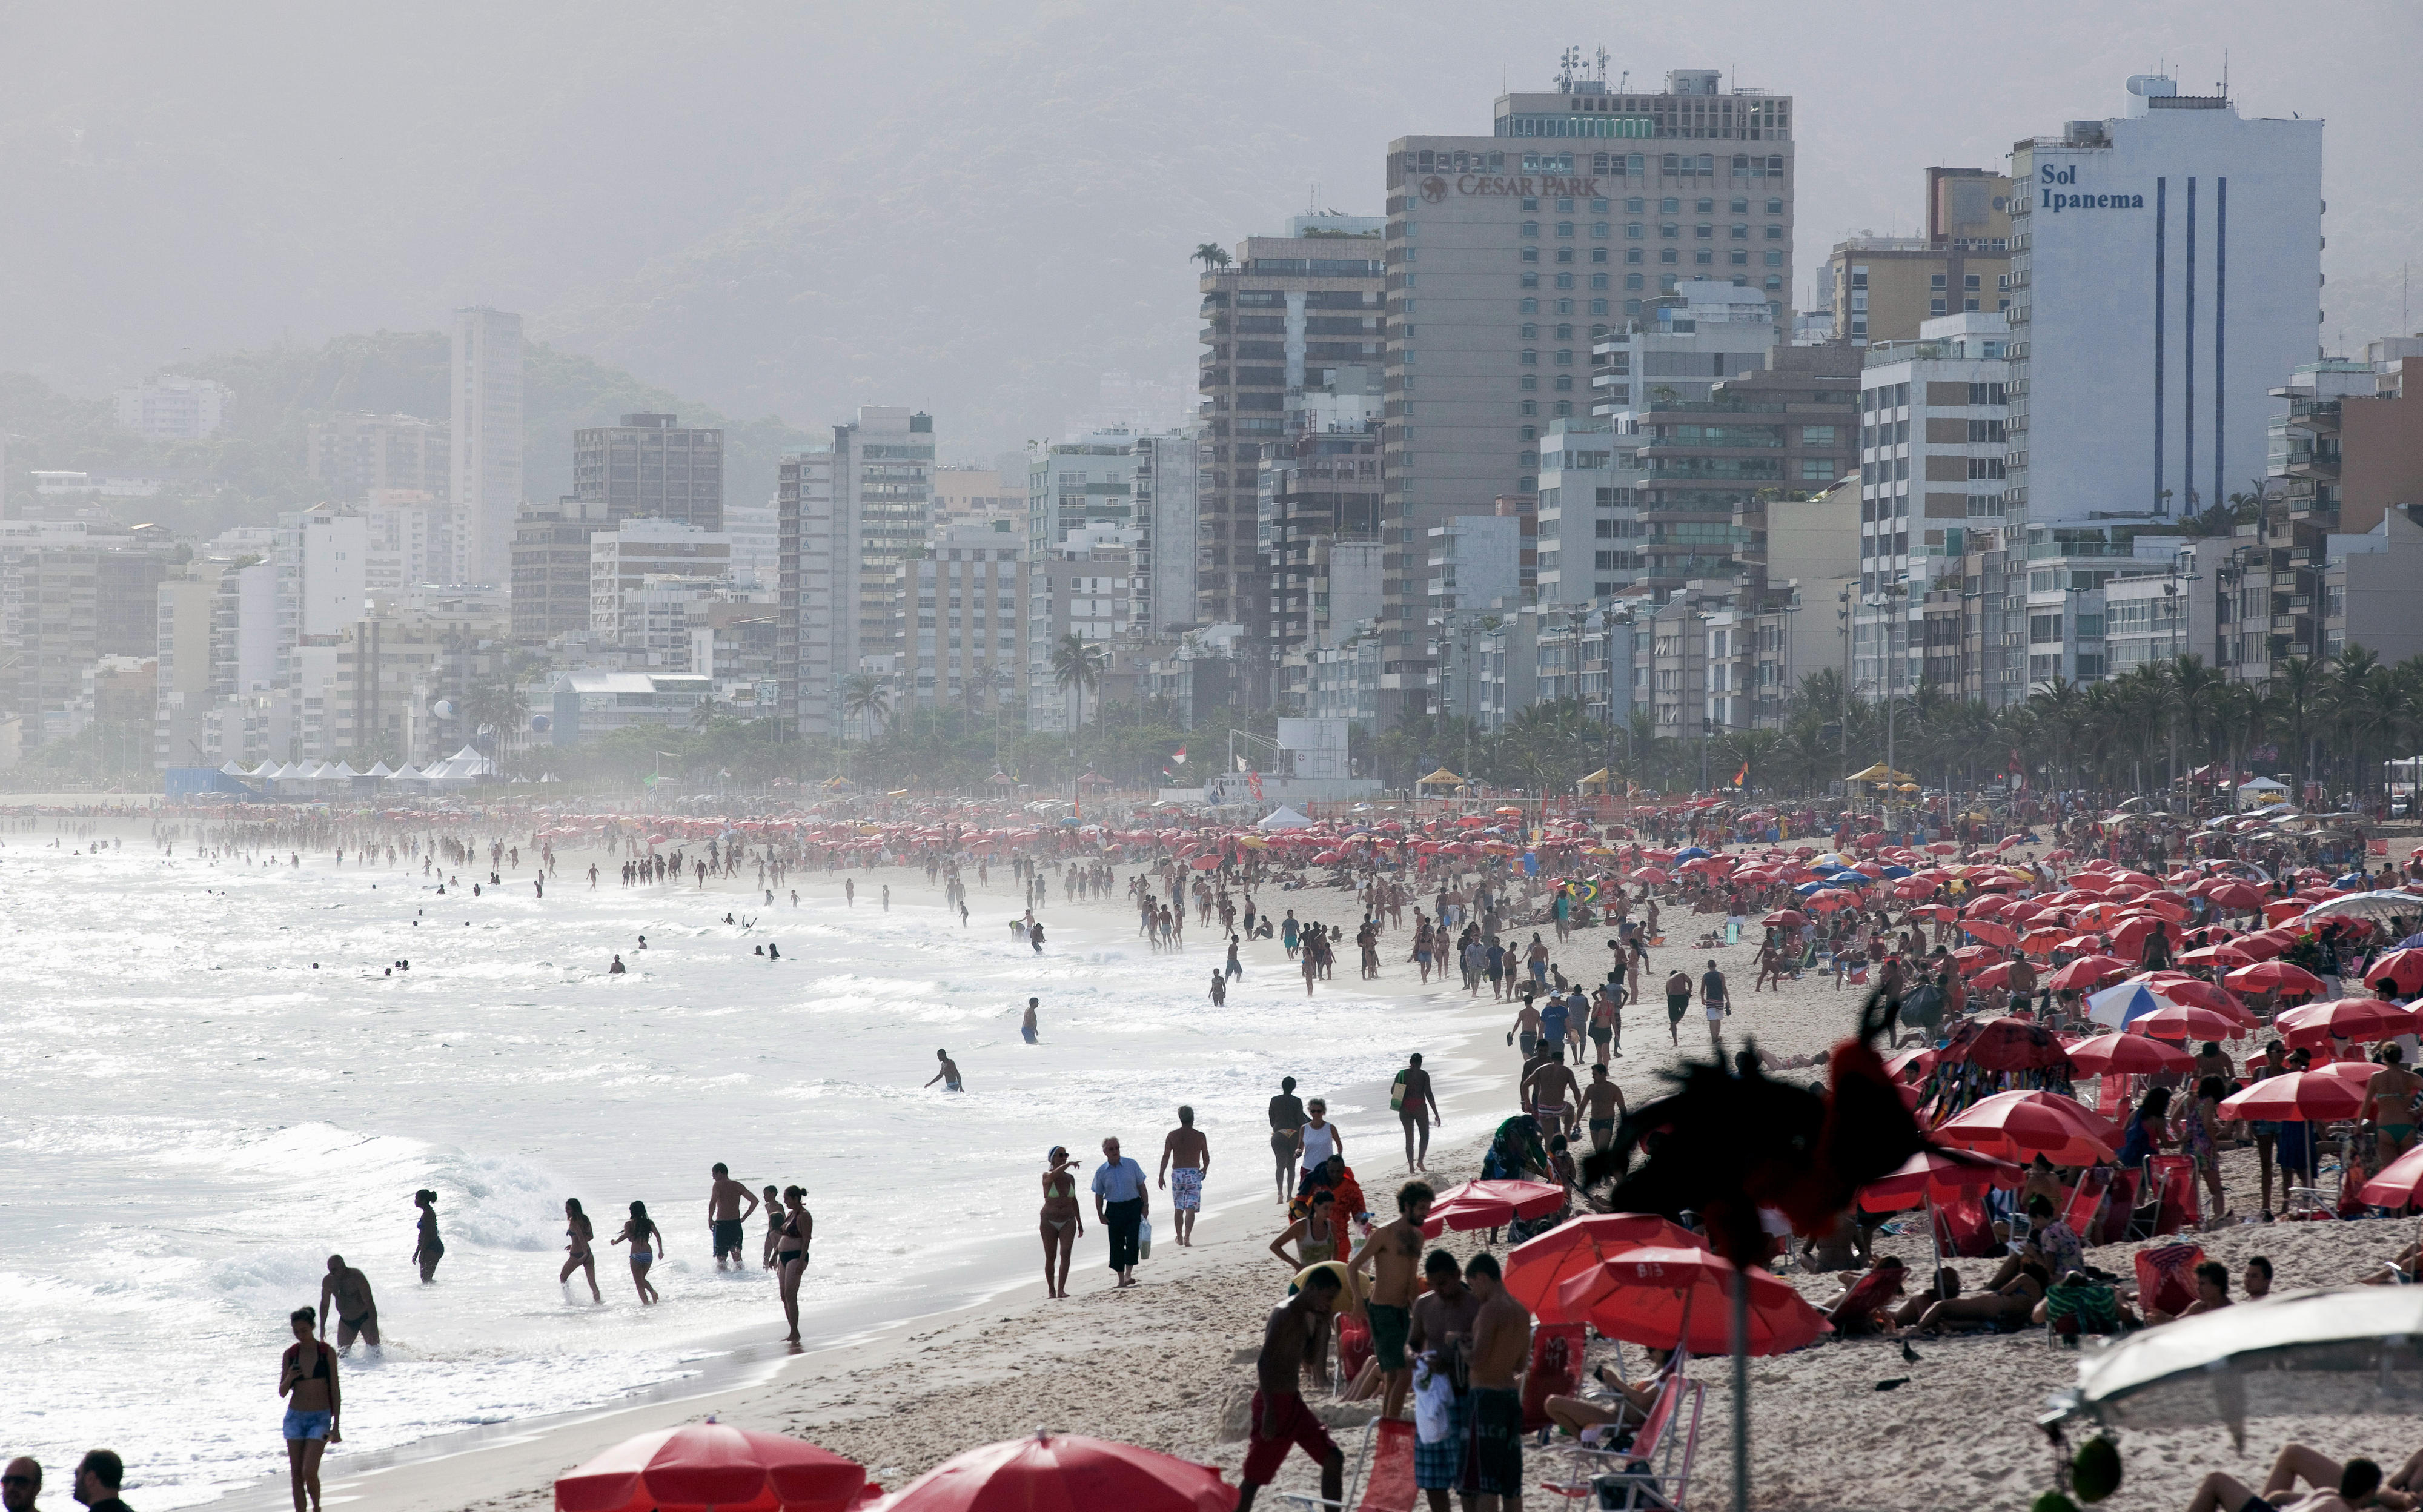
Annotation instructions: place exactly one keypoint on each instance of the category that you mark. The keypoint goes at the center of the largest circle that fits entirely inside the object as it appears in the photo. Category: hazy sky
(976, 207)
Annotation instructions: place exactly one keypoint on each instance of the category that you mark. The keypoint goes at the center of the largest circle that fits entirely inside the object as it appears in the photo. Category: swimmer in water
(647, 1241)
(949, 1074)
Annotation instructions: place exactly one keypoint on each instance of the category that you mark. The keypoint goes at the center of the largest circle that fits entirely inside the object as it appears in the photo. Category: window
(1564, 333)
(1530, 307)
(1704, 258)
(1631, 231)
(1775, 234)
(1564, 381)
(1564, 307)
(1598, 306)
(1631, 282)
(1531, 228)
(1601, 231)
(1986, 393)
(1528, 357)
(1598, 207)
(1632, 257)
(1530, 280)
(1707, 207)
(1816, 435)
(1530, 254)
(1775, 207)
(1740, 207)
(1531, 406)
(1773, 260)
(1565, 254)
(1565, 356)
(1632, 206)
(1632, 307)
(1565, 408)
(1703, 232)
(1669, 256)
(1530, 205)
(1530, 380)
(1858, 276)
(1934, 282)
(1565, 228)
(1668, 207)
(1564, 280)
(1986, 467)
(1529, 332)
(1970, 282)
(1527, 433)
(1598, 254)
(1816, 470)
(1935, 306)
(1986, 430)
(1669, 233)
(1741, 233)
(1739, 260)
(1598, 280)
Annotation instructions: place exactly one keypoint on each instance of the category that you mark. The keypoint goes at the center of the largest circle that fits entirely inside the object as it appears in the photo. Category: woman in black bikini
(791, 1253)
(430, 1249)
(306, 1377)
(647, 1242)
(1063, 1223)
(582, 1234)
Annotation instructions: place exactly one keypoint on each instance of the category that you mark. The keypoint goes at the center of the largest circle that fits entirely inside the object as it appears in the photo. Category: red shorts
(1297, 1426)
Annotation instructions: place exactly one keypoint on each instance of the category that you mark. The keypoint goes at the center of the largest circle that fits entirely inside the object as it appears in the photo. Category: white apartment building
(2159, 266)
(174, 408)
(484, 377)
(1143, 486)
(623, 563)
(756, 534)
(409, 538)
(815, 610)
(971, 596)
(1085, 586)
(1934, 439)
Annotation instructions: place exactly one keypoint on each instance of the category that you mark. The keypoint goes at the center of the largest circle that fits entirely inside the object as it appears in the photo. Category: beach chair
(1379, 1474)
(2166, 1276)
(1653, 1473)
(2175, 1178)
(1556, 1369)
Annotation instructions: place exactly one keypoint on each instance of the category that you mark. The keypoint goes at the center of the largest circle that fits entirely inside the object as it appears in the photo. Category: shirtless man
(1394, 1254)
(1602, 1104)
(1678, 1001)
(356, 1310)
(725, 1216)
(1278, 1415)
(1501, 1347)
(1186, 1154)
(1549, 1094)
(2354, 1485)
(1416, 1107)
(949, 1074)
(1442, 1332)
(1526, 1028)
(2389, 1104)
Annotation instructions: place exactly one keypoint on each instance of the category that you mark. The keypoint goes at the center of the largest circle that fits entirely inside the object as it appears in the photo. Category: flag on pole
(1743, 775)
(1180, 757)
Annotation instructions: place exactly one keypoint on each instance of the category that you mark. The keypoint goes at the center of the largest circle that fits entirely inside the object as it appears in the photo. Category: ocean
(212, 1083)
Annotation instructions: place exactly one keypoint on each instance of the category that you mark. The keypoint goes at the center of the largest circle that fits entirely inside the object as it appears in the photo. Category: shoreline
(747, 1372)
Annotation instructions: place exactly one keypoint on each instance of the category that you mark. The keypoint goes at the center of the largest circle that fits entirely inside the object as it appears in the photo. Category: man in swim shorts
(1394, 1253)
(948, 1075)
(357, 1311)
(1602, 1104)
(725, 1215)
(1678, 1002)
(1185, 1156)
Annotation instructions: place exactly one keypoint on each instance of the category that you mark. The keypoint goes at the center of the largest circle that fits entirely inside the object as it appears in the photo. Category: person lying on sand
(2356, 1485)
(2012, 1303)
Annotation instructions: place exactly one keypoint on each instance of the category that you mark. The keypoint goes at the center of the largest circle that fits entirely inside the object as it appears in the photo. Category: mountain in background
(254, 468)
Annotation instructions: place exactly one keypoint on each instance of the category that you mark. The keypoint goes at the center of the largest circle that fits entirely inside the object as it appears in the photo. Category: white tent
(232, 770)
(1284, 817)
(2261, 792)
(378, 769)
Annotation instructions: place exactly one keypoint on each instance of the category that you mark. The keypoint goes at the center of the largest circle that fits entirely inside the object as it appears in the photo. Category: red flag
(1254, 781)
(1743, 775)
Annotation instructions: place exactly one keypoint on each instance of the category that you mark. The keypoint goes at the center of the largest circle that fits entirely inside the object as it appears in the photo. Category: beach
(903, 1376)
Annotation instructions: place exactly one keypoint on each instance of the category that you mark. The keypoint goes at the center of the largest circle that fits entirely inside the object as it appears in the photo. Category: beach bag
(1143, 1240)
(1397, 1093)
(1556, 1370)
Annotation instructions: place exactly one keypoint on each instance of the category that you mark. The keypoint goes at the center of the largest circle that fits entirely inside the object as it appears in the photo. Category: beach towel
(2166, 1276)
(1556, 1370)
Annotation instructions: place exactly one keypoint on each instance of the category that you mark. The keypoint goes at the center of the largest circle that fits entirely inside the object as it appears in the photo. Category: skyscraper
(652, 467)
(486, 381)
(2159, 263)
(1535, 240)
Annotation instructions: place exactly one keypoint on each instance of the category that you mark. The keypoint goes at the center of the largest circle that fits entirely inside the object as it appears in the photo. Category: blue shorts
(308, 1425)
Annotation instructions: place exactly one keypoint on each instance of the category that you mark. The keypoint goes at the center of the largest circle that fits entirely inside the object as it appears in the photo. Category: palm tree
(1076, 671)
(2296, 705)
(862, 692)
(1211, 255)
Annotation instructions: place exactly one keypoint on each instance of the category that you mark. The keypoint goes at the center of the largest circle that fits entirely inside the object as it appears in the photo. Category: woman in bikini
(430, 1248)
(791, 1253)
(306, 1377)
(647, 1241)
(1315, 1234)
(581, 1233)
(1063, 1221)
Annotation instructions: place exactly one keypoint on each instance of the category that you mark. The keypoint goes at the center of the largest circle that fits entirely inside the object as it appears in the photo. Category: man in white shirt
(1121, 1203)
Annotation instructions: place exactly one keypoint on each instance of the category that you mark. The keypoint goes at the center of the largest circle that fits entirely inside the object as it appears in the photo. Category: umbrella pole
(1741, 1391)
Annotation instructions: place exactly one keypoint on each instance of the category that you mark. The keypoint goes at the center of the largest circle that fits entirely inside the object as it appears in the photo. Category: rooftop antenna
(1601, 65)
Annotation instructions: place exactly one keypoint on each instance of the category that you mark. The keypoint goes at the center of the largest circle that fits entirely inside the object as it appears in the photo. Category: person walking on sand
(307, 1379)
(1287, 1119)
(580, 1234)
(429, 1248)
(1278, 1416)
(1416, 1106)
(647, 1242)
(356, 1310)
(1678, 1002)
(1186, 1159)
(725, 1219)
(1501, 1344)
(949, 1074)
(1063, 1221)
(1394, 1253)
(1317, 1141)
(791, 1253)
(1602, 1104)
(1121, 1204)
(1712, 1000)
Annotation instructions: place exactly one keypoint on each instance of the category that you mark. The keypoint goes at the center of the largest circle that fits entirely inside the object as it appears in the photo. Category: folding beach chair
(2176, 1182)
(1380, 1473)
(1654, 1474)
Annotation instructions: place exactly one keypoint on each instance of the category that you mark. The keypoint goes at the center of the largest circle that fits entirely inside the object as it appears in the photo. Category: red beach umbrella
(2297, 1097)
(1536, 1268)
(1786, 919)
(2347, 1018)
(1992, 931)
(2275, 976)
(2402, 969)
(2185, 1021)
(2023, 1125)
(2083, 972)
(2128, 1054)
(1491, 1204)
(2399, 1183)
(1936, 1176)
(1661, 1297)
(712, 1465)
(1066, 1474)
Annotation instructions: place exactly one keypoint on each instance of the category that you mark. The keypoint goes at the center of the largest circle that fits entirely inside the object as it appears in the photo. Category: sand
(1168, 1364)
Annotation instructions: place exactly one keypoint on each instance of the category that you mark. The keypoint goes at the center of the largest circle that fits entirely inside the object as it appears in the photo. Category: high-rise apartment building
(652, 467)
(1583, 207)
(970, 594)
(631, 554)
(882, 487)
(551, 566)
(171, 407)
(1883, 287)
(816, 594)
(2157, 265)
(484, 377)
(1141, 486)
(1286, 314)
(351, 455)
